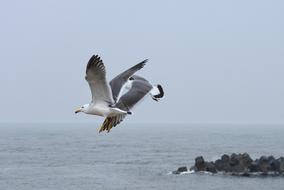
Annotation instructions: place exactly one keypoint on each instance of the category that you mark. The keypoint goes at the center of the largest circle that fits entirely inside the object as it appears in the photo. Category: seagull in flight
(115, 100)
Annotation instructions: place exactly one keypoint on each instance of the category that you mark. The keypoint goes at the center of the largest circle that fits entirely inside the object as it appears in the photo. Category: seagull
(115, 100)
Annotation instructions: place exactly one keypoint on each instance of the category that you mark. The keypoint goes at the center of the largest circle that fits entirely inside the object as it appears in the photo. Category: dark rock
(200, 163)
(263, 159)
(180, 170)
(253, 167)
(263, 164)
(281, 164)
(234, 160)
(219, 164)
(270, 158)
(273, 164)
(223, 164)
(245, 160)
(240, 165)
(210, 167)
(225, 158)
(227, 167)
(238, 168)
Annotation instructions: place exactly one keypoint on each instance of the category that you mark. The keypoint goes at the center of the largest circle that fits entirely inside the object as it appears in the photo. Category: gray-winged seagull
(114, 100)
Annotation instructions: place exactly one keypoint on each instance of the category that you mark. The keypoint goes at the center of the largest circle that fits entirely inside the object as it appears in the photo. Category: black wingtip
(143, 63)
(92, 60)
(161, 94)
(95, 62)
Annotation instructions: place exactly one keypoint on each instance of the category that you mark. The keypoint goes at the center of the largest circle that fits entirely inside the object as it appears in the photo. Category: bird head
(82, 108)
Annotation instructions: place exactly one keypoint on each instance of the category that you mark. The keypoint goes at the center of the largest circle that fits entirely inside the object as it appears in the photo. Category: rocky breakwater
(238, 165)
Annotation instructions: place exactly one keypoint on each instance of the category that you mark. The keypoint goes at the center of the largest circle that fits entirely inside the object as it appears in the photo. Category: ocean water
(131, 156)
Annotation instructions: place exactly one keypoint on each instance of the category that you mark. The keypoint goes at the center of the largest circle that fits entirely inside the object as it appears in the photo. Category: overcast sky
(219, 61)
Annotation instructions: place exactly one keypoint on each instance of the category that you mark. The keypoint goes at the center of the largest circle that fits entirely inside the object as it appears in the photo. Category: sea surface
(131, 156)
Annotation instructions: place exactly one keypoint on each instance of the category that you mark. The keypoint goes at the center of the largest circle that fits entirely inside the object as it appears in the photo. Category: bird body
(102, 110)
(115, 99)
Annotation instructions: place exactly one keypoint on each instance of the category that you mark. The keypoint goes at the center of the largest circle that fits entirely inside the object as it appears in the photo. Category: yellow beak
(78, 110)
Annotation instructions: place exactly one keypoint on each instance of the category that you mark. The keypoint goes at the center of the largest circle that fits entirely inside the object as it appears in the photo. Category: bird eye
(131, 78)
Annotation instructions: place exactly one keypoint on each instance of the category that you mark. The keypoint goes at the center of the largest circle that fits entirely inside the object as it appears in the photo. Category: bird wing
(96, 77)
(111, 122)
(140, 88)
(118, 82)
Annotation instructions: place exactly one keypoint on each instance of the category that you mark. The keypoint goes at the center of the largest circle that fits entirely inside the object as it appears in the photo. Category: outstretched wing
(118, 82)
(96, 77)
(140, 88)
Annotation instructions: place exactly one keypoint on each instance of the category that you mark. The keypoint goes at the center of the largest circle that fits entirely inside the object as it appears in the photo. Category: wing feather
(96, 77)
(118, 82)
(111, 122)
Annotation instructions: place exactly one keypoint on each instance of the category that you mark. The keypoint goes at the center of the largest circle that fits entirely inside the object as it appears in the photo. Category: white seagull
(115, 99)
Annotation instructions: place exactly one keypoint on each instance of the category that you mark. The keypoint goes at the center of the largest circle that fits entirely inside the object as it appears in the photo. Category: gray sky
(219, 61)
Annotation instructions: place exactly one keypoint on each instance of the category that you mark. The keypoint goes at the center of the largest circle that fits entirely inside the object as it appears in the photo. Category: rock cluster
(239, 164)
